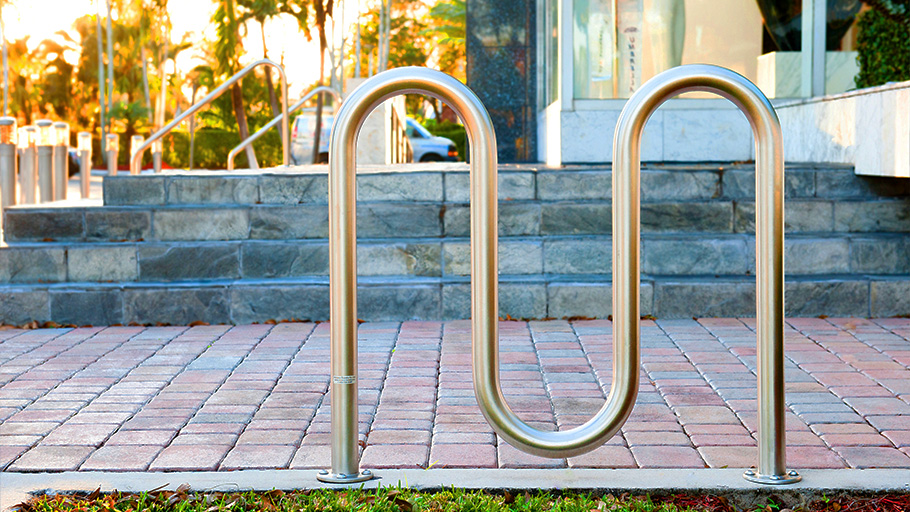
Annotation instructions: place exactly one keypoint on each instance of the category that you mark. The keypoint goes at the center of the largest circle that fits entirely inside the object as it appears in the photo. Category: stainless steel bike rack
(626, 273)
(136, 159)
(769, 233)
(260, 132)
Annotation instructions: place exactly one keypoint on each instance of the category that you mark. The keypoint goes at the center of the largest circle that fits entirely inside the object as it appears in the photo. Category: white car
(302, 133)
(426, 146)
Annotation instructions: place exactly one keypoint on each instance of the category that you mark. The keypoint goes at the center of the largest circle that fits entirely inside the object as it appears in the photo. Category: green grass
(379, 500)
(406, 500)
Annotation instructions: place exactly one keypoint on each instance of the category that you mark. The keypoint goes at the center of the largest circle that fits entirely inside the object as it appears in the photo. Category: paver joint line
(247, 397)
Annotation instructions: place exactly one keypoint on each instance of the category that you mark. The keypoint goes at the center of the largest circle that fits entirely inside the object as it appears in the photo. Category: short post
(45, 160)
(7, 162)
(157, 150)
(61, 160)
(84, 144)
(28, 171)
(135, 143)
(112, 147)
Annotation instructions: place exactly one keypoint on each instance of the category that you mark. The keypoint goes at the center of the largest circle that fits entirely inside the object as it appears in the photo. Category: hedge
(883, 47)
(211, 150)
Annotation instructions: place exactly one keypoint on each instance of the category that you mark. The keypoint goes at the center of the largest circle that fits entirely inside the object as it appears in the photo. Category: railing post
(769, 229)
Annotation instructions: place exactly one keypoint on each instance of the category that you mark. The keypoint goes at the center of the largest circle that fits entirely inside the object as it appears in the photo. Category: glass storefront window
(551, 56)
(594, 48)
(619, 44)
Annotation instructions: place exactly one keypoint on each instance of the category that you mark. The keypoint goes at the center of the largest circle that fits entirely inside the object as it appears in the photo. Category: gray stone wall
(244, 248)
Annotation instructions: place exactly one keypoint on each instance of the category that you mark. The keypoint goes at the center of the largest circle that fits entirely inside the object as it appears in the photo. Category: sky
(40, 19)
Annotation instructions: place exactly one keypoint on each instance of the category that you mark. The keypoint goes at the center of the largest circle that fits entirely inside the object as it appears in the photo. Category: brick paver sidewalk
(255, 396)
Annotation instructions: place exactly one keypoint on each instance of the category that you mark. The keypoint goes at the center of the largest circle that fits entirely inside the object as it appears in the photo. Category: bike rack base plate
(791, 477)
(344, 478)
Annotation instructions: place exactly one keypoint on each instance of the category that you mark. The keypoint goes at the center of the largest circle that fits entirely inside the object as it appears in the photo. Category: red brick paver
(257, 396)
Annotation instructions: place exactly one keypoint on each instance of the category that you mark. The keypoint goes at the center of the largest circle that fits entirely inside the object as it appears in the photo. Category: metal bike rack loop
(136, 159)
(484, 284)
(260, 132)
(484, 265)
(769, 233)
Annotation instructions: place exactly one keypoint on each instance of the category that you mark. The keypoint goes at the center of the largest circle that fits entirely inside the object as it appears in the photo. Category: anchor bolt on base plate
(790, 477)
(344, 478)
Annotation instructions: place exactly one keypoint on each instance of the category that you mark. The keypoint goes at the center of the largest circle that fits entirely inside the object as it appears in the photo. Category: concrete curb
(18, 487)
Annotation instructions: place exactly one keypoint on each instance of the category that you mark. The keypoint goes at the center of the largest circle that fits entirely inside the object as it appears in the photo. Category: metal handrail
(260, 132)
(769, 229)
(136, 159)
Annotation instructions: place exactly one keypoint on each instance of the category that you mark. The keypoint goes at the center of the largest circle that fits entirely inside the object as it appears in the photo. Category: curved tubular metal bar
(136, 160)
(769, 228)
(484, 283)
(260, 132)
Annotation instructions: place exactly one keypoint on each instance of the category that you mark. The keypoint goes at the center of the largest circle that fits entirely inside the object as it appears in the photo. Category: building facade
(555, 74)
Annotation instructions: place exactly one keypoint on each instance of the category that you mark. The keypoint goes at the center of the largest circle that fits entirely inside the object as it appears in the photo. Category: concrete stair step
(245, 301)
(661, 255)
(390, 219)
(449, 183)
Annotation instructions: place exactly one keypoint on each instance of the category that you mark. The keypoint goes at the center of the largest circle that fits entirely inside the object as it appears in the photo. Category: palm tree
(4, 3)
(228, 48)
(261, 11)
(322, 10)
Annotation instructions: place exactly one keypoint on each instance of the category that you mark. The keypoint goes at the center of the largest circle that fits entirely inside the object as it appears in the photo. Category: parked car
(426, 146)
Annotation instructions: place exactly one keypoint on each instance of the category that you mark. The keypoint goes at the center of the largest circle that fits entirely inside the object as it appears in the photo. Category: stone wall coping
(891, 86)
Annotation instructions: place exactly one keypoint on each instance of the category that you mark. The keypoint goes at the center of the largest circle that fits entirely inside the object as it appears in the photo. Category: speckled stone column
(502, 71)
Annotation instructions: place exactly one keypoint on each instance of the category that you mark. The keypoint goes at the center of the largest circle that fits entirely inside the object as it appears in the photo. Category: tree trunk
(193, 126)
(161, 103)
(5, 70)
(102, 86)
(110, 57)
(240, 114)
(145, 85)
(323, 43)
(437, 112)
(318, 134)
(273, 101)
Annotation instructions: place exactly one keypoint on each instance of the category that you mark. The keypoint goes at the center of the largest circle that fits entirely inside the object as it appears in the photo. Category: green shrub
(212, 147)
(211, 150)
(883, 45)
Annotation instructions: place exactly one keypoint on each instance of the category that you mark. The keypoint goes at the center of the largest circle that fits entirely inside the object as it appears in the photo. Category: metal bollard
(84, 145)
(112, 147)
(769, 229)
(61, 159)
(7, 163)
(157, 151)
(28, 164)
(45, 150)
